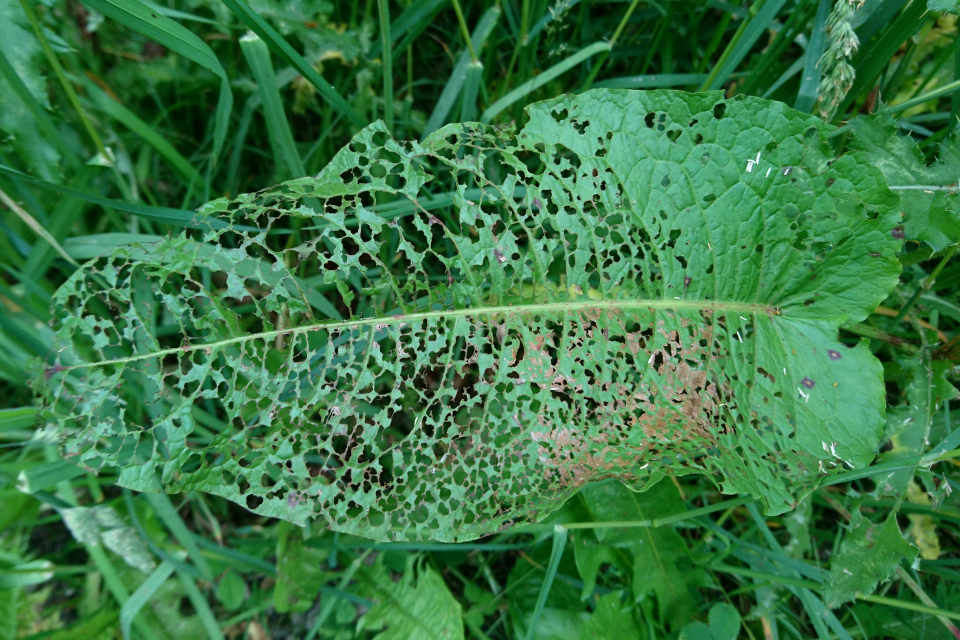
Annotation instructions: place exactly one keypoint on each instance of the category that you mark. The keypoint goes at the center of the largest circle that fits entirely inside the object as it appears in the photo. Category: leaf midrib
(564, 306)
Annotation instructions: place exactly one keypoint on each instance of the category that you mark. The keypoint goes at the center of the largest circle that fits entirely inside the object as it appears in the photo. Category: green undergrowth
(420, 319)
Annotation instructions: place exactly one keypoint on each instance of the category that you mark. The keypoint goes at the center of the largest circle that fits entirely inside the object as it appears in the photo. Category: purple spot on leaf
(808, 383)
(897, 232)
(687, 281)
(834, 355)
(536, 203)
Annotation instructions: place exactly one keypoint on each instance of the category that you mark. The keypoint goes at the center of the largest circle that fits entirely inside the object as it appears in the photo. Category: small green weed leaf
(232, 590)
(696, 631)
(908, 425)
(612, 619)
(928, 193)
(648, 283)
(590, 555)
(300, 571)
(724, 625)
(724, 621)
(661, 560)
(869, 553)
(101, 525)
(418, 607)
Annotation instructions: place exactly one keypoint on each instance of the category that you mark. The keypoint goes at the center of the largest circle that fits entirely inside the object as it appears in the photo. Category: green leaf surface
(869, 553)
(300, 571)
(647, 284)
(613, 619)
(661, 560)
(928, 193)
(418, 607)
(724, 621)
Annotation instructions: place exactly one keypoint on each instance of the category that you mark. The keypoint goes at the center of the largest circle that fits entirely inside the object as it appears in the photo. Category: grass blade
(742, 42)
(451, 90)
(10, 76)
(202, 607)
(159, 28)
(409, 25)
(178, 217)
(289, 55)
(559, 542)
(281, 138)
(131, 121)
(532, 85)
(384, 11)
(37, 228)
(142, 596)
(810, 83)
(468, 104)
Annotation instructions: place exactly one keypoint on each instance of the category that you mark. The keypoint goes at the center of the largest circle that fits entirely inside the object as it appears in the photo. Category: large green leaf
(649, 283)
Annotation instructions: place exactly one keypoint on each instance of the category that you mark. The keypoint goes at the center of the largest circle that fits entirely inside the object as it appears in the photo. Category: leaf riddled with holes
(635, 284)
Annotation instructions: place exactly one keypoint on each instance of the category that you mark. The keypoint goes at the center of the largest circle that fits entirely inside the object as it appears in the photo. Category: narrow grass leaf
(161, 29)
(46, 475)
(142, 596)
(810, 81)
(18, 418)
(164, 509)
(553, 72)
(556, 552)
(471, 86)
(451, 90)
(738, 48)
(37, 110)
(872, 59)
(177, 217)
(289, 55)
(202, 607)
(281, 137)
(147, 133)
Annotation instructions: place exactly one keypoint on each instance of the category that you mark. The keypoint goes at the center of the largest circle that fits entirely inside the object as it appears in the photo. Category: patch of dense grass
(120, 118)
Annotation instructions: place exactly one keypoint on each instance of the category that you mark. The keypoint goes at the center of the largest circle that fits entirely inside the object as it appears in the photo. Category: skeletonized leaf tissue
(635, 284)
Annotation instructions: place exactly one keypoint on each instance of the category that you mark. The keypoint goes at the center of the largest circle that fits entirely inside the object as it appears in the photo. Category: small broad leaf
(300, 571)
(724, 625)
(613, 619)
(644, 284)
(869, 553)
(724, 621)
(908, 425)
(419, 607)
(661, 560)
(928, 194)
(232, 590)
